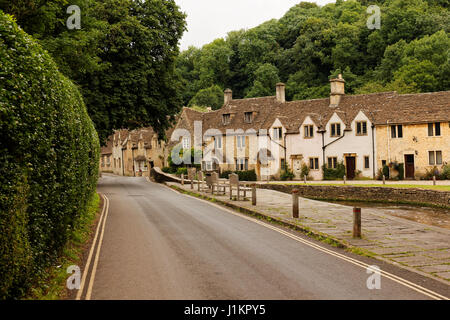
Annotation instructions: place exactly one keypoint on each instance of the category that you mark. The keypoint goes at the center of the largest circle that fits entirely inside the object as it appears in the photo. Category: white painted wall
(352, 143)
(307, 147)
(297, 144)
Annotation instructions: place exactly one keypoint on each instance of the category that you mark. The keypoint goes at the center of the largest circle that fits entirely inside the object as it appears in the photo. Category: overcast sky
(211, 19)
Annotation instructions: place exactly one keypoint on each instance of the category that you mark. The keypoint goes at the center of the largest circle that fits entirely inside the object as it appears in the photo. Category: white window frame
(277, 133)
(218, 142)
(336, 133)
(308, 133)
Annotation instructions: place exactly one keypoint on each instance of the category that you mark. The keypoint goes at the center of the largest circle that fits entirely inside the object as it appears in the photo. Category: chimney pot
(281, 92)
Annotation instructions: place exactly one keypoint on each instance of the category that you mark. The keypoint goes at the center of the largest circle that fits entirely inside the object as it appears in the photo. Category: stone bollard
(182, 179)
(345, 179)
(254, 194)
(384, 179)
(295, 203)
(434, 180)
(356, 222)
(304, 179)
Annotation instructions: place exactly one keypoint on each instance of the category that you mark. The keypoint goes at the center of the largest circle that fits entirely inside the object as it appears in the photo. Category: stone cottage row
(268, 134)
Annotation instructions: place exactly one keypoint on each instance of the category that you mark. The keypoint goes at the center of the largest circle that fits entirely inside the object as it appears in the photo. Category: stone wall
(157, 175)
(387, 194)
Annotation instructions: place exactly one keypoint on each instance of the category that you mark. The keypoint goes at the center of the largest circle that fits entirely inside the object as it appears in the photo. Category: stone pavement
(421, 248)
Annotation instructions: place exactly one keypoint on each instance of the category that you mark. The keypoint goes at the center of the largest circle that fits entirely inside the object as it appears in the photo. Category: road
(159, 244)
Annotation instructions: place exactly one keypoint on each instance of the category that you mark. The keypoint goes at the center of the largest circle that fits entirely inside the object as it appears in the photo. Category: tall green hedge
(48, 159)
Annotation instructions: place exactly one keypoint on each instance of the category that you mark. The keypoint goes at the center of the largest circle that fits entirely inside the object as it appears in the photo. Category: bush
(385, 172)
(243, 175)
(305, 171)
(181, 171)
(249, 175)
(445, 175)
(49, 155)
(287, 175)
(225, 174)
(334, 174)
(429, 174)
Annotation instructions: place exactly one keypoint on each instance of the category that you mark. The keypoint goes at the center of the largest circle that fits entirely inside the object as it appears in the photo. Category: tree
(310, 43)
(209, 97)
(266, 78)
(123, 58)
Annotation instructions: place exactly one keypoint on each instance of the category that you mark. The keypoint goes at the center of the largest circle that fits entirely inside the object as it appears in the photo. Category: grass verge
(53, 287)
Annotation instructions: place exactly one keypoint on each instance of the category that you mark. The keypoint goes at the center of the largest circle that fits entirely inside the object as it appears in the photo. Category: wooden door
(409, 166)
(351, 167)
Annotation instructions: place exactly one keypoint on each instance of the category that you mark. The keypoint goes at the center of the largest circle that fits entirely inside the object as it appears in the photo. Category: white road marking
(404, 282)
(88, 262)
(97, 255)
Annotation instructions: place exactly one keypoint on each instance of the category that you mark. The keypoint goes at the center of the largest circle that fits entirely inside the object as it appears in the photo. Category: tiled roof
(261, 109)
(380, 108)
(106, 150)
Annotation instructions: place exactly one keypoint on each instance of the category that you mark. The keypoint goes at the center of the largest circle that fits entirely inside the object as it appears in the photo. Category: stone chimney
(281, 92)
(228, 96)
(337, 90)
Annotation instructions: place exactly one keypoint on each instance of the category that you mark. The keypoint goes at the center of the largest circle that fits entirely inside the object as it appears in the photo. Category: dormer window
(277, 133)
(335, 130)
(361, 128)
(309, 131)
(248, 117)
(226, 118)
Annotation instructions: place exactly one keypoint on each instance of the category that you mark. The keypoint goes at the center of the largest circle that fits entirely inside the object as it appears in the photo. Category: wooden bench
(235, 185)
(217, 185)
(201, 183)
(191, 176)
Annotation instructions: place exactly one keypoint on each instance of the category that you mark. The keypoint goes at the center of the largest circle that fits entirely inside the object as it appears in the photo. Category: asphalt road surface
(159, 244)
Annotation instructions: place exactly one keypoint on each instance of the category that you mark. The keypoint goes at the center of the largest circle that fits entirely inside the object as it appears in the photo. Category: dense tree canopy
(409, 53)
(122, 57)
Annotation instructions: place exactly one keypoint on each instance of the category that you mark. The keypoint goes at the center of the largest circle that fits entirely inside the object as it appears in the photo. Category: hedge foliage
(334, 174)
(48, 159)
(249, 175)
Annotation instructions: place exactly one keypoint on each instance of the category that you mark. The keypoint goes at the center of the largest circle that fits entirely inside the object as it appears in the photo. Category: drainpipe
(323, 147)
(270, 138)
(132, 157)
(373, 151)
(285, 148)
(123, 169)
(341, 137)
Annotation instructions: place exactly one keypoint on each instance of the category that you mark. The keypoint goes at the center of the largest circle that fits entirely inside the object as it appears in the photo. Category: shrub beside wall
(48, 159)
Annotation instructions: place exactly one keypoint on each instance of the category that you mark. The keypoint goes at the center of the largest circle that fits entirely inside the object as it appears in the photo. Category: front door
(409, 166)
(351, 166)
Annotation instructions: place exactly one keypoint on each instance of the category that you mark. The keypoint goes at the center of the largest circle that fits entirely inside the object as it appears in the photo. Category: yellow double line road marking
(388, 275)
(101, 224)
